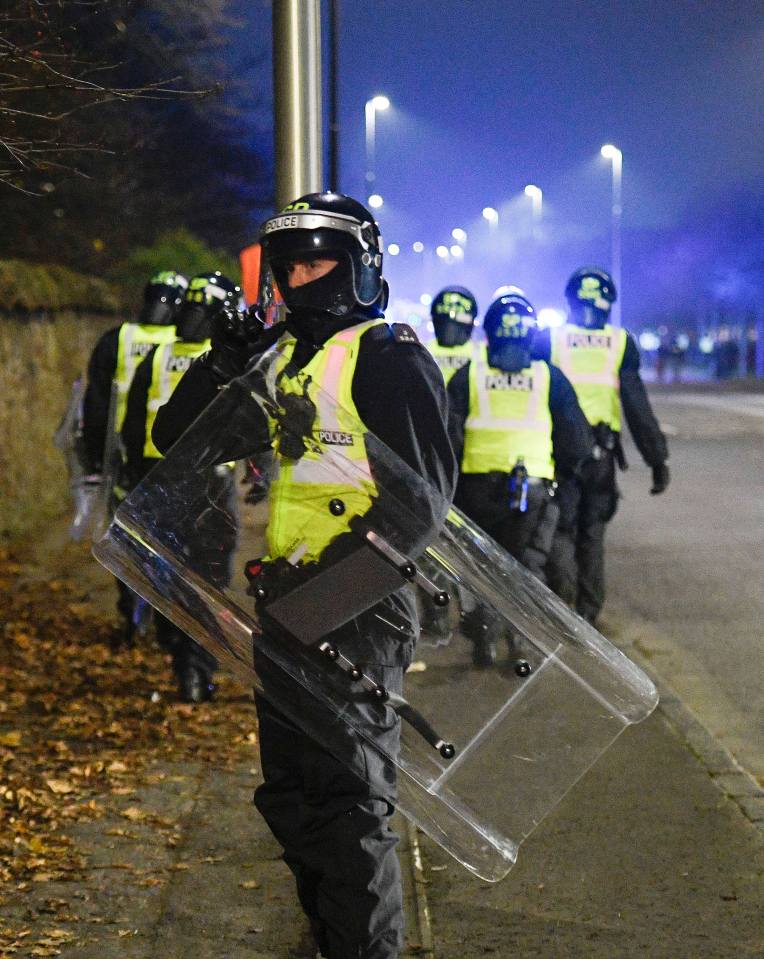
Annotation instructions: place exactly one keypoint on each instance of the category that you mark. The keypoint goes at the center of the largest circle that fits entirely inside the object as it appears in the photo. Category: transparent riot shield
(312, 615)
(84, 491)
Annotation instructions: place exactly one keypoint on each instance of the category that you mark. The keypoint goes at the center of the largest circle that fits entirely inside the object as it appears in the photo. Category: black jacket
(95, 411)
(397, 389)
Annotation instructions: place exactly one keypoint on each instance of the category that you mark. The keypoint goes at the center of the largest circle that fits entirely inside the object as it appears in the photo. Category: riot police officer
(154, 382)
(602, 363)
(516, 427)
(453, 313)
(325, 254)
(111, 368)
(119, 351)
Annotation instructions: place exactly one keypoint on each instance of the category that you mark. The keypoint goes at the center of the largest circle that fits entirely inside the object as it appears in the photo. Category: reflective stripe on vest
(135, 342)
(509, 419)
(450, 358)
(591, 360)
(169, 363)
(334, 468)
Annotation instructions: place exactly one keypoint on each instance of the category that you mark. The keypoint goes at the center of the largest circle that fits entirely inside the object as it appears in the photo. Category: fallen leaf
(59, 786)
(134, 814)
(11, 739)
(250, 884)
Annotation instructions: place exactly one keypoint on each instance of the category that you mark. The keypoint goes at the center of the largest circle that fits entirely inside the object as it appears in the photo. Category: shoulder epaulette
(403, 333)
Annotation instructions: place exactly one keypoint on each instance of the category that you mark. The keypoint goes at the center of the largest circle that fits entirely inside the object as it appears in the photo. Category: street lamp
(536, 195)
(442, 251)
(372, 106)
(417, 246)
(459, 235)
(491, 215)
(375, 201)
(612, 153)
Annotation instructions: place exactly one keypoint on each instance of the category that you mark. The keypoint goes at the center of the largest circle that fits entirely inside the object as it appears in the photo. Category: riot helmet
(590, 294)
(324, 227)
(453, 313)
(162, 296)
(206, 296)
(510, 325)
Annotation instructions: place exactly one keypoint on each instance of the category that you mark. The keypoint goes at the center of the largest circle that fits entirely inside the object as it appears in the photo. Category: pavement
(657, 852)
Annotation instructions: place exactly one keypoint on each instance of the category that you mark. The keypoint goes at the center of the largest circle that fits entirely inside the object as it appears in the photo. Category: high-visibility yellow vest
(450, 358)
(135, 342)
(508, 420)
(168, 364)
(591, 360)
(313, 497)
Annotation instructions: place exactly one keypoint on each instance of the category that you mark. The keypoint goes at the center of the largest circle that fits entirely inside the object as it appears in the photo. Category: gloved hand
(660, 478)
(235, 340)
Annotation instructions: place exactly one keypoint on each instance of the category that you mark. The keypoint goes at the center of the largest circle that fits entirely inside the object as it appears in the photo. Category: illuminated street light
(612, 153)
(491, 215)
(442, 252)
(375, 201)
(456, 251)
(417, 247)
(373, 105)
(425, 299)
(537, 198)
(393, 249)
(459, 235)
(550, 318)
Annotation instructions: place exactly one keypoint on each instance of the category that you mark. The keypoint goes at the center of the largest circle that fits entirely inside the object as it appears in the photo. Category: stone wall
(40, 358)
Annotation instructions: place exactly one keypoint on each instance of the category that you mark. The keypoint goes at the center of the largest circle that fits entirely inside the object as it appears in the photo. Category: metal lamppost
(612, 153)
(373, 105)
(297, 98)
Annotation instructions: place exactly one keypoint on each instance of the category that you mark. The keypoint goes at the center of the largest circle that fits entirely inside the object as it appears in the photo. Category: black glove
(660, 478)
(236, 336)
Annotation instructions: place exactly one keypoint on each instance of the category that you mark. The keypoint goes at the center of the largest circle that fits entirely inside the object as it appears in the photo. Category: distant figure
(726, 355)
(602, 363)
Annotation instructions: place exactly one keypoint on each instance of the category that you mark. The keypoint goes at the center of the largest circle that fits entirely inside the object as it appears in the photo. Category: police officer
(516, 426)
(325, 253)
(453, 313)
(154, 382)
(602, 363)
(112, 365)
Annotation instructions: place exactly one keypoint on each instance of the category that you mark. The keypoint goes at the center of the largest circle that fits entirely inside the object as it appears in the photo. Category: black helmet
(453, 313)
(207, 295)
(510, 324)
(162, 296)
(590, 294)
(327, 226)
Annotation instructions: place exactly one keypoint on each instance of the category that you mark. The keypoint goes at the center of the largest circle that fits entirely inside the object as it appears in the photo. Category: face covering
(193, 323)
(452, 333)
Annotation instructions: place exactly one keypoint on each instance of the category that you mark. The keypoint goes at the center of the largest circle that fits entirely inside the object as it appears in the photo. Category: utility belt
(609, 440)
(517, 486)
(500, 477)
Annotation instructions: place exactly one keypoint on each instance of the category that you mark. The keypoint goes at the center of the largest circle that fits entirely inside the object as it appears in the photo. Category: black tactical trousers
(329, 808)
(527, 536)
(576, 568)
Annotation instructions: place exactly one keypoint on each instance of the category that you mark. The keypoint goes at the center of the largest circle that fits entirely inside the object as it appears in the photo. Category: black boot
(194, 684)
(484, 650)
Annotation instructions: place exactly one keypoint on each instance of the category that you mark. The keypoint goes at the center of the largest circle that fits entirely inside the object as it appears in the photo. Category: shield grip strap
(342, 591)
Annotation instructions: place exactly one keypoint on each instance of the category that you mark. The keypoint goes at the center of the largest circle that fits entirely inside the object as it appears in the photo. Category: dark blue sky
(489, 95)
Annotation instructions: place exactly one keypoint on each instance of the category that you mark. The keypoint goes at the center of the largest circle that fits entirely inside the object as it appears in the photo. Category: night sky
(494, 94)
